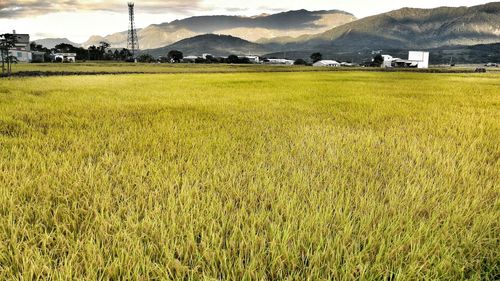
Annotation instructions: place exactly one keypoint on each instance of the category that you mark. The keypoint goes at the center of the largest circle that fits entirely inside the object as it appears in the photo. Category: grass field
(133, 68)
(119, 67)
(261, 176)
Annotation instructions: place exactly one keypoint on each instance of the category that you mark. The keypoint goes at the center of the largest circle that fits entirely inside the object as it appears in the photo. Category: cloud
(27, 8)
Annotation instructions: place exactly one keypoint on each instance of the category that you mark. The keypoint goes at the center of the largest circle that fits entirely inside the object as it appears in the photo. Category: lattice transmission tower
(133, 40)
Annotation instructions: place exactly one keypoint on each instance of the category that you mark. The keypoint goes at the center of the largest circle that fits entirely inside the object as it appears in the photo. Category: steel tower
(133, 40)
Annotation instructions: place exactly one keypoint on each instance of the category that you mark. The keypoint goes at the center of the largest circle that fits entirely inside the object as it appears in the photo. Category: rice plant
(250, 176)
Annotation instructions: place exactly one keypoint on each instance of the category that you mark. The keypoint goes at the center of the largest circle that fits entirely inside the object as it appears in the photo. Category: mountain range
(409, 28)
(331, 32)
(291, 23)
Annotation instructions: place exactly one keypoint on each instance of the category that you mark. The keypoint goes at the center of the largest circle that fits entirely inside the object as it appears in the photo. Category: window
(19, 55)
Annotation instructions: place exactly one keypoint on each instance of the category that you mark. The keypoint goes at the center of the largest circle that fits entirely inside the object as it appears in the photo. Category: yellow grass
(263, 176)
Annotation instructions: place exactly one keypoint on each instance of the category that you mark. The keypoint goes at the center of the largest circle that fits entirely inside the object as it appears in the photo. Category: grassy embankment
(298, 176)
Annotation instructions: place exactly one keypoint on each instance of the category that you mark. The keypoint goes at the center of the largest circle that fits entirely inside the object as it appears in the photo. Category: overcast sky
(79, 19)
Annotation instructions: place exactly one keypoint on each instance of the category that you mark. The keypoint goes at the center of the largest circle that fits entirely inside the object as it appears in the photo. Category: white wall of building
(279, 61)
(387, 61)
(421, 57)
(22, 56)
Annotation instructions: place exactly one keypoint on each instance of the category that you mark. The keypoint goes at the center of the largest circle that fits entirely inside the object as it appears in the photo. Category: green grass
(118, 67)
(282, 176)
(131, 68)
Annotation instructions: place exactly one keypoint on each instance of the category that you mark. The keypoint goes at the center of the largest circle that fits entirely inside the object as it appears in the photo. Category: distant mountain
(291, 23)
(443, 30)
(52, 42)
(408, 28)
(217, 45)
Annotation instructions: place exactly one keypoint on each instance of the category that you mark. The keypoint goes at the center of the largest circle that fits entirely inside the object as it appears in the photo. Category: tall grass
(284, 176)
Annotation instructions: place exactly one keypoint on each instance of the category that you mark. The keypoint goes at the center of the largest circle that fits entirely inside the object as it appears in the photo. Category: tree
(103, 46)
(200, 60)
(125, 54)
(7, 42)
(244, 60)
(104, 55)
(146, 58)
(81, 53)
(233, 59)
(109, 55)
(42, 49)
(93, 53)
(316, 57)
(65, 48)
(116, 55)
(163, 59)
(378, 60)
(300, 62)
(236, 59)
(175, 56)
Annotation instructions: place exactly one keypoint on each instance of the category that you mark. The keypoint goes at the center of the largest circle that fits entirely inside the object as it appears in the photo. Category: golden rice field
(261, 176)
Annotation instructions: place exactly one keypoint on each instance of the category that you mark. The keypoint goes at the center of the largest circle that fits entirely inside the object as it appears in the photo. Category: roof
(326, 62)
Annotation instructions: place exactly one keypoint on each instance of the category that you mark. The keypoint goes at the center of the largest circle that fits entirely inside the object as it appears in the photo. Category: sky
(77, 20)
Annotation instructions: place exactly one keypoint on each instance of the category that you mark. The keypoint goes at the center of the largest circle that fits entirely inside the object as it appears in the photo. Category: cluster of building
(415, 60)
(260, 60)
(23, 53)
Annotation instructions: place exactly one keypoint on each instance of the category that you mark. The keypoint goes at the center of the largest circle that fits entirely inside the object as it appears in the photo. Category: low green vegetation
(132, 68)
(118, 67)
(250, 176)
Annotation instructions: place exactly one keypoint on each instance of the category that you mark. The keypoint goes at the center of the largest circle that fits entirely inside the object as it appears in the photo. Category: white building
(253, 59)
(205, 56)
(347, 64)
(21, 49)
(190, 59)
(388, 59)
(415, 60)
(421, 58)
(327, 63)
(65, 57)
(279, 61)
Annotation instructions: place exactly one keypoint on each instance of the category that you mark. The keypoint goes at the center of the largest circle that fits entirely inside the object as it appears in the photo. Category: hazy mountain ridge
(291, 23)
(217, 45)
(52, 42)
(411, 28)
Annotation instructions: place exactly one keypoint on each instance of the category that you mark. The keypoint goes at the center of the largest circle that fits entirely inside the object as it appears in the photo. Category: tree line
(93, 53)
(175, 56)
